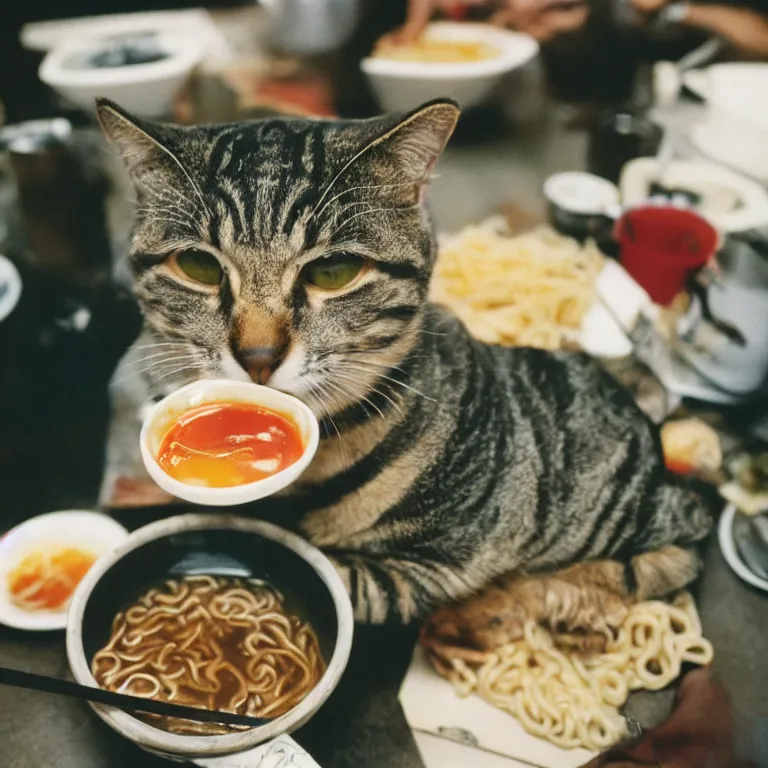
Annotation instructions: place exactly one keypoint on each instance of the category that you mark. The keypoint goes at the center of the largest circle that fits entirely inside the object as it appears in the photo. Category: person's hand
(648, 7)
(543, 19)
(548, 22)
(420, 12)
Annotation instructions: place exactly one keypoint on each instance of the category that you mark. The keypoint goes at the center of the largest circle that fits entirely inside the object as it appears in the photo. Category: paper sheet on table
(432, 706)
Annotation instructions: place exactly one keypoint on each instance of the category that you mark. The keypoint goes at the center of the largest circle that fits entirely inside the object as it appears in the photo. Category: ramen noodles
(211, 642)
(573, 699)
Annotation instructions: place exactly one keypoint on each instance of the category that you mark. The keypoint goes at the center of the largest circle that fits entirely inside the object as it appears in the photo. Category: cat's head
(293, 252)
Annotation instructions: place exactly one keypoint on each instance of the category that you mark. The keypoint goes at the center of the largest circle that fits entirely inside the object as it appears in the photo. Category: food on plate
(45, 579)
(748, 486)
(691, 446)
(218, 643)
(532, 289)
(573, 699)
(428, 51)
(220, 445)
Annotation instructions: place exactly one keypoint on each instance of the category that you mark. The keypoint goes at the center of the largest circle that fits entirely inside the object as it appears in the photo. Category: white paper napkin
(433, 707)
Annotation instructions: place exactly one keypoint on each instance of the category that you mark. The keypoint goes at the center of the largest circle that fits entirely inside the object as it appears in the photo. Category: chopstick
(34, 682)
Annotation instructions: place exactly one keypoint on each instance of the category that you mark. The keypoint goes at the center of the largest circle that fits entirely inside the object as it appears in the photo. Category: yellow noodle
(170, 646)
(532, 289)
(573, 700)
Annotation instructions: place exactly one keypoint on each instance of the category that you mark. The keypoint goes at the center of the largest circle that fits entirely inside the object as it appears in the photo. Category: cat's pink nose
(259, 363)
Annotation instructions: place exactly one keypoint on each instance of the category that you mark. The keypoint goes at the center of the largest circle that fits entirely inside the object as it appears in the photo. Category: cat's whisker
(162, 344)
(347, 191)
(342, 458)
(394, 381)
(349, 377)
(173, 352)
(192, 182)
(357, 397)
(168, 220)
(146, 365)
(367, 213)
(174, 372)
(133, 374)
(150, 362)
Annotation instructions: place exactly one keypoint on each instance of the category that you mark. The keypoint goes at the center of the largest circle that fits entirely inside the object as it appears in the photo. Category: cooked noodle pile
(217, 643)
(571, 699)
(532, 289)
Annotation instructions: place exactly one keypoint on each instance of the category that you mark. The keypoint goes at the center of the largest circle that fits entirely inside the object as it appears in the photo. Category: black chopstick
(19, 679)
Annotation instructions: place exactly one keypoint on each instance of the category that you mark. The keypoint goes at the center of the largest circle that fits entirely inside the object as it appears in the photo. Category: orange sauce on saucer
(220, 445)
(45, 579)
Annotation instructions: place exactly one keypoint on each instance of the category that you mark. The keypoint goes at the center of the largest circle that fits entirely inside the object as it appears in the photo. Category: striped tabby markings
(336, 454)
(360, 510)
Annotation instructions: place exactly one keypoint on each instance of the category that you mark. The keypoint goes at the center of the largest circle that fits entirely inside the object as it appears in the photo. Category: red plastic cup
(661, 247)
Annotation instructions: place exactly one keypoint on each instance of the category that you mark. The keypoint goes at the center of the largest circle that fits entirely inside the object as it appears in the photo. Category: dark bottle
(62, 341)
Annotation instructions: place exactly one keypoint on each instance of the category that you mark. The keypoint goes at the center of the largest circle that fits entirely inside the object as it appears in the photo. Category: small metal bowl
(218, 545)
(581, 206)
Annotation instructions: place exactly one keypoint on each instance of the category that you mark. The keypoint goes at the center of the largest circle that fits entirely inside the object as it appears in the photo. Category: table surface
(362, 724)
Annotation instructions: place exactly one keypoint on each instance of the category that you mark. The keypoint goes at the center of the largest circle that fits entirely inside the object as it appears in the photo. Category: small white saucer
(89, 531)
(731, 553)
(10, 287)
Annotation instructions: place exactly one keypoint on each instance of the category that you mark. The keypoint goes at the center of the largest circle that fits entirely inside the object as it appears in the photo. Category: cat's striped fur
(445, 463)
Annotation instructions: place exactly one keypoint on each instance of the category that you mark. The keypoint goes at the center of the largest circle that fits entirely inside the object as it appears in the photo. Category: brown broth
(214, 642)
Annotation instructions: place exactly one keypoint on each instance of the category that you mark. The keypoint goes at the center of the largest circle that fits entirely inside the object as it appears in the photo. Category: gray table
(363, 724)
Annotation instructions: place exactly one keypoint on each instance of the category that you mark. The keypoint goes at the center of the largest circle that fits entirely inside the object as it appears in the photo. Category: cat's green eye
(333, 272)
(199, 266)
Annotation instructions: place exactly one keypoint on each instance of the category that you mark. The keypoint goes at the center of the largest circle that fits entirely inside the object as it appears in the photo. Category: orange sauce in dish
(45, 579)
(220, 445)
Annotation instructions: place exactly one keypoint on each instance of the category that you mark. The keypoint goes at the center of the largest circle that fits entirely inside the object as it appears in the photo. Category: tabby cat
(298, 253)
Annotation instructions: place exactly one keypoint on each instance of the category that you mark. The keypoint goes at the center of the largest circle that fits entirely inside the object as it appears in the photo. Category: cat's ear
(411, 147)
(142, 144)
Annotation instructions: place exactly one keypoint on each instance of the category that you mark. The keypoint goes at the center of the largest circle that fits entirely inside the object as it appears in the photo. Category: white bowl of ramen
(88, 69)
(258, 441)
(192, 551)
(402, 78)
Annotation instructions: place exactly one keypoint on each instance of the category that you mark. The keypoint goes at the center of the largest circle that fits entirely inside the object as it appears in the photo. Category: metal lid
(34, 135)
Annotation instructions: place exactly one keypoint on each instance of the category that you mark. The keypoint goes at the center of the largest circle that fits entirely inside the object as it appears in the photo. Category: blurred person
(542, 19)
(699, 733)
(746, 28)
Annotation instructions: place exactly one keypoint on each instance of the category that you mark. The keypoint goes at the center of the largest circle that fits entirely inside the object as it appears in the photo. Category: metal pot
(310, 27)
(724, 335)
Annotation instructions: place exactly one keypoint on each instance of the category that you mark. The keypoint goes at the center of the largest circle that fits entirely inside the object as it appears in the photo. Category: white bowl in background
(403, 85)
(147, 90)
(164, 414)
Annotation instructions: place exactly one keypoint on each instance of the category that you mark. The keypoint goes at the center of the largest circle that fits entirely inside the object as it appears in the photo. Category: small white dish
(164, 414)
(582, 193)
(403, 85)
(91, 532)
(10, 287)
(147, 90)
(731, 553)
